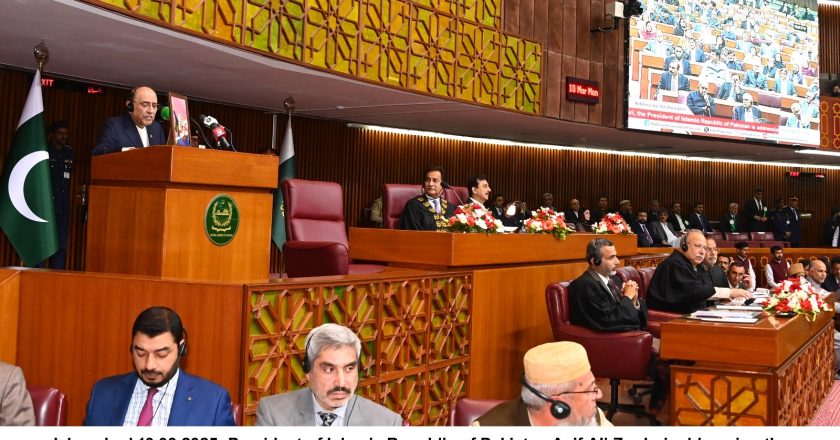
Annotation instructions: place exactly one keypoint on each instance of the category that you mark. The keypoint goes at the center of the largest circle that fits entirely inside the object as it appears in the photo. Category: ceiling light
(819, 152)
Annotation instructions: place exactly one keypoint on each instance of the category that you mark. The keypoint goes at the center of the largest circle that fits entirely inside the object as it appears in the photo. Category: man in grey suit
(331, 367)
(15, 404)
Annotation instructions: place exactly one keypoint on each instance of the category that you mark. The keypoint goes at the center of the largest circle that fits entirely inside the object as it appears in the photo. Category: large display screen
(734, 69)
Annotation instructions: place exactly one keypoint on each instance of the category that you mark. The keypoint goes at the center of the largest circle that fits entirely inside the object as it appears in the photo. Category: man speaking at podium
(136, 128)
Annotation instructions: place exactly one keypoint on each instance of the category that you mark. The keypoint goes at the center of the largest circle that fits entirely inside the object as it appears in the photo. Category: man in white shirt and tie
(428, 211)
(136, 128)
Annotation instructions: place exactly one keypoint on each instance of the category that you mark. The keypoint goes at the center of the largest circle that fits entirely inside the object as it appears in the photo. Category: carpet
(828, 414)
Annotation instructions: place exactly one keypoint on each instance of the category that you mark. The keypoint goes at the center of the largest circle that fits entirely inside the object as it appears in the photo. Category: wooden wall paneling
(829, 20)
(596, 39)
(556, 19)
(527, 19)
(583, 18)
(567, 108)
(511, 16)
(570, 23)
(541, 22)
(9, 314)
(609, 87)
(553, 84)
(581, 108)
(76, 329)
(596, 73)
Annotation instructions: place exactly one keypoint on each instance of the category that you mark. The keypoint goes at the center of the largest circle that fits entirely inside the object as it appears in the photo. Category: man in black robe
(679, 286)
(600, 302)
(716, 275)
(429, 211)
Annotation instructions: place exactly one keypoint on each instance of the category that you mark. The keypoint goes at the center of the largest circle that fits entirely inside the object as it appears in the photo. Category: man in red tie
(158, 392)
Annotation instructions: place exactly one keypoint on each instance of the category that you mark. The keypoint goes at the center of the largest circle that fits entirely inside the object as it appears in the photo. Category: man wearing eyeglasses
(558, 389)
(678, 284)
(136, 128)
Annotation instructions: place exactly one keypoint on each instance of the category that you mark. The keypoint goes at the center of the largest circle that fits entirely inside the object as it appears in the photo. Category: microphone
(165, 113)
(217, 129)
(446, 185)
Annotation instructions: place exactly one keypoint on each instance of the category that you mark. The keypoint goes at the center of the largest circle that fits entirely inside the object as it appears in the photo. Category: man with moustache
(158, 392)
(332, 370)
(731, 221)
(715, 273)
(679, 286)
(662, 232)
(136, 128)
(479, 190)
(742, 254)
(776, 269)
(428, 211)
(676, 220)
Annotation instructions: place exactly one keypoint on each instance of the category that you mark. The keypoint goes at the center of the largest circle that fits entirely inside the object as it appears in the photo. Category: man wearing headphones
(558, 389)
(136, 128)
(428, 211)
(600, 302)
(158, 392)
(678, 284)
(331, 365)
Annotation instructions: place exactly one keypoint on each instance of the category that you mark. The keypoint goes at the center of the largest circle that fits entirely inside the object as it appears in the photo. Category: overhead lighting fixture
(453, 137)
(819, 152)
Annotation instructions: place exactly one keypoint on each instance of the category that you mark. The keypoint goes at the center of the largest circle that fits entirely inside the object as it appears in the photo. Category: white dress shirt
(161, 403)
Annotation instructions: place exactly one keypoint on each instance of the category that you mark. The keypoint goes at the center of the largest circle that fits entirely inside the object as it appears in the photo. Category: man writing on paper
(678, 286)
(136, 128)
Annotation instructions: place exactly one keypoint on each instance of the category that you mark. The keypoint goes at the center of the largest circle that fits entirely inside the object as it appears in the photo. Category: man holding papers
(678, 286)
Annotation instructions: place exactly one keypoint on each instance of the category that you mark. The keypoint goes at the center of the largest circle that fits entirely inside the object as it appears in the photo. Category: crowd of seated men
(744, 52)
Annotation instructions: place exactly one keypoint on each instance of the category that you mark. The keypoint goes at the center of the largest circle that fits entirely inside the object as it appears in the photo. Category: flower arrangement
(546, 221)
(472, 217)
(612, 223)
(795, 296)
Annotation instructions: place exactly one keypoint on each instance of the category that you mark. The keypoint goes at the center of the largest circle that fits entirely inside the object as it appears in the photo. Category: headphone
(307, 363)
(559, 409)
(684, 242)
(596, 260)
(130, 106)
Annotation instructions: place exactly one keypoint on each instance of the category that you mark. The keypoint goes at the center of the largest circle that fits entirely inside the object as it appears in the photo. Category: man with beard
(679, 286)
(332, 369)
(557, 374)
(429, 211)
(711, 269)
(742, 254)
(158, 392)
(776, 269)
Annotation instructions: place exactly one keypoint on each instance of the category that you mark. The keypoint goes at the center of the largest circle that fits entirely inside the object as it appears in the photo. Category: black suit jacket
(594, 306)
(641, 239)
(750, 211)
(831, 283)
(672, 219)
(725, 226)
(795, 226)
(701, 223)
(121, 132)
(658, 233)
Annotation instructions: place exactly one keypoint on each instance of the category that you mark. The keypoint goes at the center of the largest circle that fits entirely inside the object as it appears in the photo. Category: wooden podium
(150, 207)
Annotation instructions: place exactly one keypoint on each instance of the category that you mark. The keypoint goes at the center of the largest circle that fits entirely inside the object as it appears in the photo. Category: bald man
(136, 128)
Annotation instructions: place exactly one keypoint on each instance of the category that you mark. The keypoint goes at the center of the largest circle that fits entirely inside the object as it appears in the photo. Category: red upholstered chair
(725, 244)
(466, 410)
(394, 197)
(50, 406)
(613, 355)
(316, 237)
(642, 277)
(766, 239)
(741, 236)
(715, 235)
(237, 413)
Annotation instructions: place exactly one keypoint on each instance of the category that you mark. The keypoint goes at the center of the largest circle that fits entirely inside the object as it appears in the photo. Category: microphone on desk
(217, 130)
(445, 185)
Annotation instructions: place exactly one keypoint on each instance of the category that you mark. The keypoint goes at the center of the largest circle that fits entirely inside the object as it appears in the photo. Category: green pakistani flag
(27, 214)
(287, 171)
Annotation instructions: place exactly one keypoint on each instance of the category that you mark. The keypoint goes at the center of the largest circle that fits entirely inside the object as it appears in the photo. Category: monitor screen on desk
(734, 69)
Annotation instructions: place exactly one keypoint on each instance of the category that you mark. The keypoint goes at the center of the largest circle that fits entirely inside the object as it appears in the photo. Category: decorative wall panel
(454, 49)
(829, 123)
(414, 333)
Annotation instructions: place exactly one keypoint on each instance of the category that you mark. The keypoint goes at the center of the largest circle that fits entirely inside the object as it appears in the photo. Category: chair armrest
(315, 258)
(660, 316)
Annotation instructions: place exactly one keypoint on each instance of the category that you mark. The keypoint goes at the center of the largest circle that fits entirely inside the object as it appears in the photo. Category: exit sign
(582, 90)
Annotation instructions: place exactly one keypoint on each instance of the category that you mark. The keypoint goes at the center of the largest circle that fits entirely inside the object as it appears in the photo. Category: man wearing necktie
(755, 211)
(331, 364)
(136, 128)
(428, 211)
(644, 238)
(698, 219)
(158, 392)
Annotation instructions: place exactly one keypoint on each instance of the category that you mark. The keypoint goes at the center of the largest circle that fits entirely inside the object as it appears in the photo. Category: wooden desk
(509, 276)
(774, 372)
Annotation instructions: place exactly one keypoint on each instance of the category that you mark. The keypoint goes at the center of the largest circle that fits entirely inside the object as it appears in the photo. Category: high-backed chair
(50, 406)
(466, 410)
(642, 277)
(316, 237)
(766, 239)
(741, 236)
(237, 413)
(395, 196)
(604, 349)
(715, 235)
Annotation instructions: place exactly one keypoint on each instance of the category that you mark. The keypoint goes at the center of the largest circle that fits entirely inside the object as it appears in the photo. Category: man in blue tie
(158, 392)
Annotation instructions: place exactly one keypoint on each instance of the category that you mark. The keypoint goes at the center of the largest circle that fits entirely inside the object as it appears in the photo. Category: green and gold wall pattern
(449, 48)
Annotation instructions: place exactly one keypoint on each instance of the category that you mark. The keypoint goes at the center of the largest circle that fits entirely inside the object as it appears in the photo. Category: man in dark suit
(673, 80)
(746, 112)
(136, 128)
(697, 219)
(699, 101)
(755, 78)
(643, 235)
(832, 280)
(598, 301)
(831, 229)
(755, 211)
(600, 210)
(732, 90)
(662, 232)
(795, 219)
(783, 85)
(780, 221)
(158, 392)
(683, 64)
(678, 223)
(574, 215)
(731, 221)
(429, 211)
